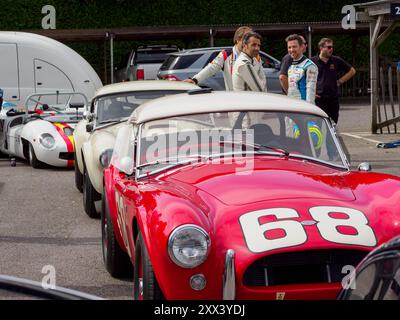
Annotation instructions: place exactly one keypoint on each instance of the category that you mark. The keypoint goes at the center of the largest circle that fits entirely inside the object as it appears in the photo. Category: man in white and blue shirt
(303, 73)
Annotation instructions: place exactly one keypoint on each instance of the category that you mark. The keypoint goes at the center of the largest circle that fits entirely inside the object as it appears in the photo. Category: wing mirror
(365, 167)
(88, 116)
(45, 107)
(278, 66)
(89, 127)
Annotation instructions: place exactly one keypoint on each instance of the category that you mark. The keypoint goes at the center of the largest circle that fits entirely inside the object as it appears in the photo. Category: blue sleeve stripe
(302, 85)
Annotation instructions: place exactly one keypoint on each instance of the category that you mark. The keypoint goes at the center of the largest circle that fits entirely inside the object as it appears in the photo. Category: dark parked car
(184, 64)
(22, 289)
(377, 276)
(143, 63)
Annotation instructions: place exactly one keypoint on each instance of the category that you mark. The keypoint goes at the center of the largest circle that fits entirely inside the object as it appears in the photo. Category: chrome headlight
(47, 140)
(105, 158)
(188, 246)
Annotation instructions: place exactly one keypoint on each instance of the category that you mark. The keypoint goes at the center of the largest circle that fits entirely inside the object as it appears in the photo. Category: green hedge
(21, 14)
(74, 14)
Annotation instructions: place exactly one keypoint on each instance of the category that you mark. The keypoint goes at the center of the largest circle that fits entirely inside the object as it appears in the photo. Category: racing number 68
(295, 234)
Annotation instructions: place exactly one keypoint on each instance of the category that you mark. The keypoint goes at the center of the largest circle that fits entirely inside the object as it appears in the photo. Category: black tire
(144, 273)
(116, 260)
(90, 195)
(78, 177)
(33, 161)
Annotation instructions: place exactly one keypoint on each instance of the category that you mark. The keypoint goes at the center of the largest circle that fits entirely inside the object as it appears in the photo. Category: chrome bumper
(228, 281)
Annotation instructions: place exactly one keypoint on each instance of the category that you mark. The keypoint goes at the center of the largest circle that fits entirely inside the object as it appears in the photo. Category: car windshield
(173, 141)
(153, 56)
(114, 108)
(59, 101)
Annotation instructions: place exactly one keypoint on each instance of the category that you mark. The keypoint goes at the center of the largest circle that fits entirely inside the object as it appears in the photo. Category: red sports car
(239, 196)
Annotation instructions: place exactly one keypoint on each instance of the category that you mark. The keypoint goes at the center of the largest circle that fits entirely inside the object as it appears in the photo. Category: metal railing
(388, 112)
(358, 86)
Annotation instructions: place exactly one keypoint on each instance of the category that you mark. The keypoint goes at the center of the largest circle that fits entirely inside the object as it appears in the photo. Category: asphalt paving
(43, 225)
(355, 127)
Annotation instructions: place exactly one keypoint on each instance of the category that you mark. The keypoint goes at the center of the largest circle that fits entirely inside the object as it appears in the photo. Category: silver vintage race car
(42, 133)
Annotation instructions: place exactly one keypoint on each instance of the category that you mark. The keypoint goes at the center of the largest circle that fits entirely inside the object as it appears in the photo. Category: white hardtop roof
(145, 85)
(220, 101)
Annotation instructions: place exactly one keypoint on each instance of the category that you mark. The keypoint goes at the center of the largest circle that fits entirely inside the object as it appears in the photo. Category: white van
(31, 63)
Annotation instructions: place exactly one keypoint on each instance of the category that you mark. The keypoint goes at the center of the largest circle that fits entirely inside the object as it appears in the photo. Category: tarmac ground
(354, 126)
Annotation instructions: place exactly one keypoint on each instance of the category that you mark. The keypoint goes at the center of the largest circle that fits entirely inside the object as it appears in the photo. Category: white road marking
(359, 137)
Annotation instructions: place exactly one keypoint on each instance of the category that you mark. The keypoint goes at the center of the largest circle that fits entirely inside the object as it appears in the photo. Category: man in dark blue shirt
(333, 71)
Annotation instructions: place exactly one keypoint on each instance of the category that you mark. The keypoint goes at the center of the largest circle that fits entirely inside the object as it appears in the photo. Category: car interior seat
(263, 134)
(114, 110)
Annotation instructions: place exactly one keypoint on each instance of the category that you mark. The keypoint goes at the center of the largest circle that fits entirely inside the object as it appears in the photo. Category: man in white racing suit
(303, 73)
(248, 73)
(223, 62)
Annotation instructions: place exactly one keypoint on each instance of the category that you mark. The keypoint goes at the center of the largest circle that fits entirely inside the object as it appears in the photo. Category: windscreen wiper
(256, 146)
(186, 160)
(113, 120)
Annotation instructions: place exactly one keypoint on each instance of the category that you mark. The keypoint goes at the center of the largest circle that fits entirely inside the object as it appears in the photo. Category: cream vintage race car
(41, 130)
(94, 136)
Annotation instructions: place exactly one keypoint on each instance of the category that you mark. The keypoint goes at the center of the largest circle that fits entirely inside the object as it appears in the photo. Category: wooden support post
(374, 78)
(391, 96)
(309, 41)
(99, 65)
(398, 88)
(111, 58)
(354, 41)
(387, 32)
(105, 64)
(211, 37)
(383, 91)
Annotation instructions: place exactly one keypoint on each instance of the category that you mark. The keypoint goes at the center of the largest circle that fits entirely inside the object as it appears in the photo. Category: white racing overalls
(302, 77)
(222, 62)
(248, 74)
